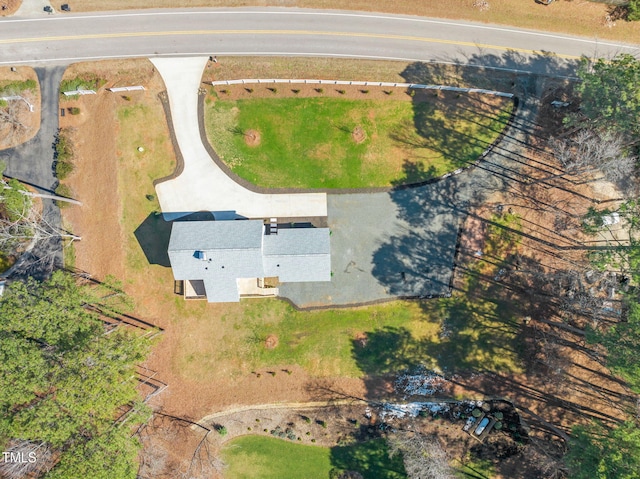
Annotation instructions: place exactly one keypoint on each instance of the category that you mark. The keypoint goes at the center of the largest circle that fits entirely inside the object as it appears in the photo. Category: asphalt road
(32, 163)
(274, 31)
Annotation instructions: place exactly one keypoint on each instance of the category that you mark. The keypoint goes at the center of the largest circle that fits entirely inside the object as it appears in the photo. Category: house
(224, 260)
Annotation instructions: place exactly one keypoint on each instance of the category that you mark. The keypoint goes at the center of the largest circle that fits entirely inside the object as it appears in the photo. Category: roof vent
(201, 255)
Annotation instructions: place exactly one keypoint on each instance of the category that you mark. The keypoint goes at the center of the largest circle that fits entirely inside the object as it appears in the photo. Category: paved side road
(32, 163)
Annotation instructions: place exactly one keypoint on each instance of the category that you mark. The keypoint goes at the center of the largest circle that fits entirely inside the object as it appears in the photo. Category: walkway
(202, 185)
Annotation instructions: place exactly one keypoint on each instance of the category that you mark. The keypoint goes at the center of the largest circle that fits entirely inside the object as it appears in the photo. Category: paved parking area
(385, 246)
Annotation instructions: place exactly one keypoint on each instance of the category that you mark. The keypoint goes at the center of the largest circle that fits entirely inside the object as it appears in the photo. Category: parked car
(48, 9)
(482, 426)
(65, 7)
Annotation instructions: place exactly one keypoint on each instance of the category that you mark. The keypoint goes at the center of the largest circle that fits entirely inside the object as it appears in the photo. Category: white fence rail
(17, 97)
(126, 88)
(79, 92)
(261, 81)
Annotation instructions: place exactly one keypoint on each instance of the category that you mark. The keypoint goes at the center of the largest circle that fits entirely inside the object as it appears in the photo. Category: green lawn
(308, 142)
(322, 341)
(257, 457)
(397, 336)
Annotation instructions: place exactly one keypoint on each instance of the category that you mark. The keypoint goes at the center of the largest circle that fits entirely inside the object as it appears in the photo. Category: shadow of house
(153, 237)
(154, 232)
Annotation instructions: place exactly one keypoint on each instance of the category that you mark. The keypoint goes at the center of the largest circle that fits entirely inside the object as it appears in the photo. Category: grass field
(311, 142)
(398, 336)
(322, 342)
(255, 457)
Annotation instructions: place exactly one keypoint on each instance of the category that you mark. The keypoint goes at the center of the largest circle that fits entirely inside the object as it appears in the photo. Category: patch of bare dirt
(360, 339)
(358, 134)
(271, 342)
(252, 138)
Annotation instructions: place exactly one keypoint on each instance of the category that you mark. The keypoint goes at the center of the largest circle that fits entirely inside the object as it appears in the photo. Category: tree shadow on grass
(153, 237)
(388, 351)
(456, 127)
(370, 459)
(415, 174)
(476, 335)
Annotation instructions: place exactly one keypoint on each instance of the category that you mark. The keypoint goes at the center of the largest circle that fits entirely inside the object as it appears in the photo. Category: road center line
(373, 16)
(273, 32)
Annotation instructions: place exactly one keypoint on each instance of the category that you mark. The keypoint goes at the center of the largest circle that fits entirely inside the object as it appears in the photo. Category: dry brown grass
(326, 68)
(233, 68)
(94, 134)
(11, 7)
(579, 17)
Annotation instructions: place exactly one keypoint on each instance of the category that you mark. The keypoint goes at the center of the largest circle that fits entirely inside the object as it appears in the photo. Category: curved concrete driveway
(202, 185)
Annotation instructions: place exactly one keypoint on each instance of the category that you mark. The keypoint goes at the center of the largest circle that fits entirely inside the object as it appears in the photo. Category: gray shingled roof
(209, 235)
(240, 249)
(298, 255)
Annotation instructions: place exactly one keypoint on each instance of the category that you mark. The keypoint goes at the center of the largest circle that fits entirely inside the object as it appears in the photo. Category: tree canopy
(633, 10)
(600, 452)
(610, 91)
(622, 342)
(69, 381)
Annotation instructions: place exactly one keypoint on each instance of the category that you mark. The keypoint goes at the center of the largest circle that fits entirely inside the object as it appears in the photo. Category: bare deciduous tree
(423, 456)
(588, 151)
(157, 460)
(17, 227)
(25, 459)
(11, 124)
